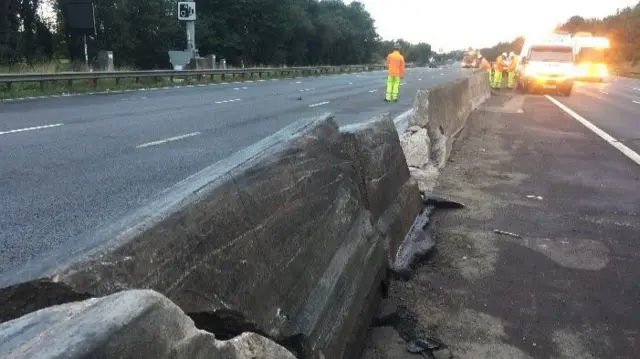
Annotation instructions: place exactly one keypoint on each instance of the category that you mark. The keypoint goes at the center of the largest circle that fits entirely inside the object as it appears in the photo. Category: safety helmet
(479, 55)
(504, 54)
(512, 54)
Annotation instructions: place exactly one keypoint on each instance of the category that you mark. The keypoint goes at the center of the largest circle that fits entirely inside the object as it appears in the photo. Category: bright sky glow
(457, 24)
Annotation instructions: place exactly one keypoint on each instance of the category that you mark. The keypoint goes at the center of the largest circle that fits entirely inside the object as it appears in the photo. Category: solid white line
(29, 129)
(319, 104)
(167, 140)
(605, 136)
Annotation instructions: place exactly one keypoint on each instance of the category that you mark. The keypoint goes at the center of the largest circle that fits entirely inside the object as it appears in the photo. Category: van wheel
(566, 91)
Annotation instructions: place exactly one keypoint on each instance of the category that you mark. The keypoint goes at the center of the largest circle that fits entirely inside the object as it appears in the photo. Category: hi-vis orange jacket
(500, 63)
(485, 65)
(395, 62)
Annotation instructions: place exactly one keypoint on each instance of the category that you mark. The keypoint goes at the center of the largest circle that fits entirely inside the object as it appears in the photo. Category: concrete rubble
(130, 324)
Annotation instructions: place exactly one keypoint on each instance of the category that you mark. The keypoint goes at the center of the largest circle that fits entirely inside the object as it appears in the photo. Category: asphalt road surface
(543, 261)
(71, 164)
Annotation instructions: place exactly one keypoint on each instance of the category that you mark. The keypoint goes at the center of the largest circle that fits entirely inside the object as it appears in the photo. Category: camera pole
(191, 37)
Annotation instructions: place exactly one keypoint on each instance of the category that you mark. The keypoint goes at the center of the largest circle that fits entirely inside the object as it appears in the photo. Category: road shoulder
(558, 281)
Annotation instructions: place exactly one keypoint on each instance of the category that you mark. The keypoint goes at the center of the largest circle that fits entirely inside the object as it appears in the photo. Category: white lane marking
(29, 129)
(298, 82)
(227, 101)
(306, 90)
(350, 83)
(638, 102)
(372, 91)
(605, 136)
(419, 79)
(604, 92)
(236, 89)
(319, 104)
(154, 143)
(637, 89)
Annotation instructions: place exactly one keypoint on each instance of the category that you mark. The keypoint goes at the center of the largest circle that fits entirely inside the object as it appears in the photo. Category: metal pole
(86, 53)
(191, 36)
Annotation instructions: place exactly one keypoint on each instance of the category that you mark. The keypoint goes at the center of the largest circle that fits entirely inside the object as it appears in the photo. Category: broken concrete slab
(391, 195)
(302, 221)
(417, 148)
(130, 324)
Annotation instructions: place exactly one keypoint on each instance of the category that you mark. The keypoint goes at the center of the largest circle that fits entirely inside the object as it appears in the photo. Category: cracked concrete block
(290, 236)
(417, 148)
(140, 324)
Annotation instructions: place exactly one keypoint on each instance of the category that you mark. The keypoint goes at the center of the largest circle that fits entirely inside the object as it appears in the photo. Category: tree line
(248, 32)
(622, 29)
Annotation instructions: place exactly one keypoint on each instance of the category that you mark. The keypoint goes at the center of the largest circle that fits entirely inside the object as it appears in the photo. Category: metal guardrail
(93, 77)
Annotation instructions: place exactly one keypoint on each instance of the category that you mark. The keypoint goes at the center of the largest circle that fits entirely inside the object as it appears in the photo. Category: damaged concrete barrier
(129, 324)
(439, 113)
(289, 238)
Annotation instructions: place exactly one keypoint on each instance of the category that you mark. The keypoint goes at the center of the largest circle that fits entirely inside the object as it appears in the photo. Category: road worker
(499, 68)
(513, 66)
(395, 64)
(485, 65)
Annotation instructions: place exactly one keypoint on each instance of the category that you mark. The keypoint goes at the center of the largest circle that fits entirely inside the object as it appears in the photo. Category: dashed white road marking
(29, 129)
(306, 90)
(176, 138)
(638, 102)
(372, 91)
(319, 104)
(298, 82)
(605, 136)
(604, 92)
(227, 101)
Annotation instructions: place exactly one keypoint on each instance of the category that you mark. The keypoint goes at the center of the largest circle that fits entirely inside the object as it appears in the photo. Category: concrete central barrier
(291, 235)
(290, 239)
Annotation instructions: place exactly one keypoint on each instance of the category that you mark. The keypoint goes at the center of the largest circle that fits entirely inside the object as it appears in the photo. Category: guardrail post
(117, 81)
(42, 86)
(137, 80)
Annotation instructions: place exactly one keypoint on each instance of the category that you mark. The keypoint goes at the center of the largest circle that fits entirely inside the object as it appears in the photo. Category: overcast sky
(456, 24)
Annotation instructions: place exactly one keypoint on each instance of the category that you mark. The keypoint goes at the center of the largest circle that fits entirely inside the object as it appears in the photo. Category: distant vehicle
(591, 54)
(470, 59)
(547, 63)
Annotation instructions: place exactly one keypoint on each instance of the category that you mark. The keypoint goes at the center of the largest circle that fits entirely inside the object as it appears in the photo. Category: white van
(547, 64)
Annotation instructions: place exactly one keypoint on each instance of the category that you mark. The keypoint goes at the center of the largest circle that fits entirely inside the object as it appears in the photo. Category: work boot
(396, 100)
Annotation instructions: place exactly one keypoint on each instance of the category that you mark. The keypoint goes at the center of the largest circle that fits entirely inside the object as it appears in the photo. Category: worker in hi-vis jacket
(395, 64)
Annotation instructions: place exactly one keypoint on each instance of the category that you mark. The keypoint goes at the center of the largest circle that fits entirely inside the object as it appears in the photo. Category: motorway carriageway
(611, 109)
(73, 163)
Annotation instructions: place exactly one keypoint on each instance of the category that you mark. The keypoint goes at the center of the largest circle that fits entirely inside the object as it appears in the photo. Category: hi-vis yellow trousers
(393, 87)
